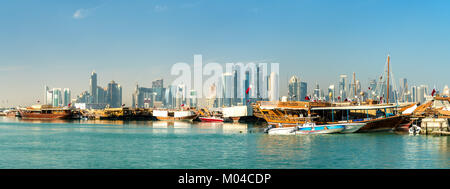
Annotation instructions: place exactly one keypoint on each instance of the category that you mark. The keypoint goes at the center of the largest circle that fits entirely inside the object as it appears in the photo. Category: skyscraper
(66, 97)
(227, 79)
(158, 83)
(294, 89)
(372, 89)
(317, 91)
(273, 87)
(343, 86)
(143, 97)
(48, 100)
(414, 94)
(297, 89)
(57, 97)
(331, 93)
(93, 87)
(114, 95)
(246, 87)
(403, 89)
(158, 88)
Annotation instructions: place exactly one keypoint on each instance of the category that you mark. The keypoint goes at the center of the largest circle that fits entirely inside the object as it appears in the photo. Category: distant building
(93, 87)
(57, 97)
(158, 88)
(143, 97)
(261, 87)
(66, 100)
(317, 92)
(227, 79)
(114, 95)
(273, 87)
(193, 98)
(403, 91)
(414, 96)
(48, 100)
(343, 86)
(297, 90)
(422, 91)
(331, 94)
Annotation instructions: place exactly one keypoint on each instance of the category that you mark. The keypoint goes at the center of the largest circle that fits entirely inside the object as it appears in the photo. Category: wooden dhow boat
(45, 112)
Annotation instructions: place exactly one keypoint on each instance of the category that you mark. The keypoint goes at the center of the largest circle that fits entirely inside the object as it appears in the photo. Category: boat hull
(321, 129)
(45, 116)
(210, 119)
(185, 118)
(352, 127)
(381, 124)
(328, 129)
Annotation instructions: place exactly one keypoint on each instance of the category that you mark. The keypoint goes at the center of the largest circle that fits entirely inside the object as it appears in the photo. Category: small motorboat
(211, 119)
(414, 130)
(307, 128)
(352, 127)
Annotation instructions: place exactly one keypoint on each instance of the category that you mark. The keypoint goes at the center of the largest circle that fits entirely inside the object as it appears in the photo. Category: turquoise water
(180, 145)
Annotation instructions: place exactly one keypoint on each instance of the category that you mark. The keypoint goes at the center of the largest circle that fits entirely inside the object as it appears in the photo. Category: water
(182, 145)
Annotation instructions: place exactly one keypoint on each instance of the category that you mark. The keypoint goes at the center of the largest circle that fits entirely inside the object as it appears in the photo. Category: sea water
(192, 145)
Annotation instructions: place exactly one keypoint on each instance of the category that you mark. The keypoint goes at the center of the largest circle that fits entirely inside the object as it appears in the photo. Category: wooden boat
(45, 112)
(374, 115)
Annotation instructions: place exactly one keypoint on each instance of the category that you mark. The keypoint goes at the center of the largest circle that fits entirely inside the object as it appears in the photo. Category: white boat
(307, 128)
(352, 127)
(414, 130)
(173, 115)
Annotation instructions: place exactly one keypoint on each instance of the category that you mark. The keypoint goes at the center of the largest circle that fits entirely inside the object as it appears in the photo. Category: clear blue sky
(59, 43)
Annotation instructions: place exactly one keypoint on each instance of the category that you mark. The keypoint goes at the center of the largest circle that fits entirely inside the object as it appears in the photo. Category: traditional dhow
(374, 117)
(125, 113)
(45, 112)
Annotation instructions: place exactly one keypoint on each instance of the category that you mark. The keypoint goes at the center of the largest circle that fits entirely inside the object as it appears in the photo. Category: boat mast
(387, 100)
(354, 84)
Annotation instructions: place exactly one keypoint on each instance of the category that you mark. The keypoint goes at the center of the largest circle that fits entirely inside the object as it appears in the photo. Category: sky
(59, 43)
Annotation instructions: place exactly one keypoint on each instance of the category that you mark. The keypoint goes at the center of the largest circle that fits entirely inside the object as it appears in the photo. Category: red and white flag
(248, 89)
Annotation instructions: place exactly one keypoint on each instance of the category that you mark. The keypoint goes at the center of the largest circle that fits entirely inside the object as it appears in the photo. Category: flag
(432, 93)
(248, 89)
(306, 97)
(182, 105)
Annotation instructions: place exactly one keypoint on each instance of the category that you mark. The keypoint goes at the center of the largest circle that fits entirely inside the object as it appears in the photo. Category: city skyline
(58, 43)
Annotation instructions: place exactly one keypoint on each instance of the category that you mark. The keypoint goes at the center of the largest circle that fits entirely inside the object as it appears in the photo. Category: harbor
(370, 116)
(120, 144)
